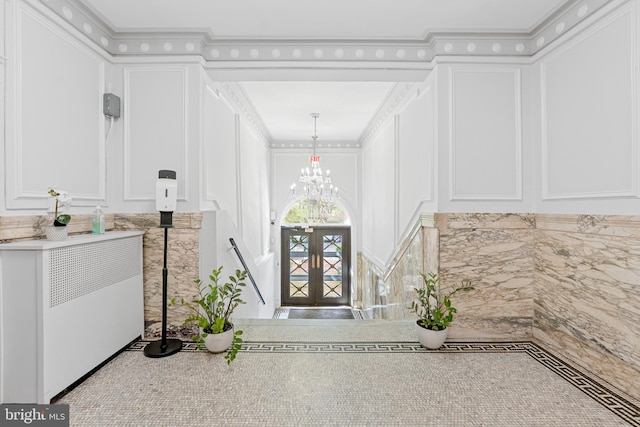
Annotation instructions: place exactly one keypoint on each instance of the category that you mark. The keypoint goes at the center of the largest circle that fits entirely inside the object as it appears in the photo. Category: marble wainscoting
(182, 263)
(388, 297)
(371, 289)
(587, 296)
(31, 227)
(387, 294)
(495, 252)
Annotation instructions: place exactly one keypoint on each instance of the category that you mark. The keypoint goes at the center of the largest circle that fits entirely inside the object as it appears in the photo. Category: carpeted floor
(327, 373)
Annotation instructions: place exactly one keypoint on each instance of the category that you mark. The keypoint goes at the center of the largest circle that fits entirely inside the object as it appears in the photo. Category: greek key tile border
(611, 400)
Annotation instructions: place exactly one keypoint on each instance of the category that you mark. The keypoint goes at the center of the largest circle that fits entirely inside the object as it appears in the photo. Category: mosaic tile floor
(298, 373)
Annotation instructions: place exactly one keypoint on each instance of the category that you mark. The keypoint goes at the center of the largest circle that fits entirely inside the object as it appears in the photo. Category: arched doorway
(316, 255)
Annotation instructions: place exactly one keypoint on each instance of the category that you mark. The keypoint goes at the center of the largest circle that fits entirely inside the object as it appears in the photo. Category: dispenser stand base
(154, 349)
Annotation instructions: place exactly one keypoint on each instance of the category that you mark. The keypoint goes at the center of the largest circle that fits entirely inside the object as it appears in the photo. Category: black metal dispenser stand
(164, 347)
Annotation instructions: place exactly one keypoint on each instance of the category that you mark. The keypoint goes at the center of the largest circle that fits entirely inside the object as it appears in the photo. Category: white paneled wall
(553, 133)
(234, 170)
(285, 169)
(344, 167)
(588, 90)
(485, 133)
(368, 214)
(219, 164)
(483, 148)
(383, 194)
(2, 33)
(399, 169)
(55, 125)
(3, 97)
(344, 164)
(417, 162)
(159, 129)
(254, 190)
(156, 133)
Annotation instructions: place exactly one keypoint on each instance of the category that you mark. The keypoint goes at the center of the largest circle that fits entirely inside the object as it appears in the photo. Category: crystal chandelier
(318, 192)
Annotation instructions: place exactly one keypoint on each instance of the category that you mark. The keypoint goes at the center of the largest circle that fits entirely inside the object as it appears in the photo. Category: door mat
(317, 313)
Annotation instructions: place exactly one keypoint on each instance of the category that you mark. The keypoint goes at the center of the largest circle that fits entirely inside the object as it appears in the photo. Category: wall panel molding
(613, 117)
(219, 179)
(160, 100)
(484, 158)
(24, 190)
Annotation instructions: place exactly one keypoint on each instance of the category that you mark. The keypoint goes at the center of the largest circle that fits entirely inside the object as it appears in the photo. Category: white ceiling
(326, 19)
(346, 108)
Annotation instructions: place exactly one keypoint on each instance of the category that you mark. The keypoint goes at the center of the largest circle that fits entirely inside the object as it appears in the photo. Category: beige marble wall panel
(404, 278)
(498, 221)
(152, 220)
(182, 270)
(605, 366)
(389, 299)
(588, 295)
(182, 262)
(367, 287)
(606, 225)
(431, 248)
(14, 228)
(499, 264)
(381, 299)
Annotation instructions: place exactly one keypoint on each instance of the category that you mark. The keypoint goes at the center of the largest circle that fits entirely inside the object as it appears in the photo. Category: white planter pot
(430, 339)
(217, 343)
(56, 233)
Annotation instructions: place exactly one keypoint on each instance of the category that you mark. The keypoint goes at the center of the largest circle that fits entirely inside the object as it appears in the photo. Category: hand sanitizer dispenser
(166, 199)
(166, 196)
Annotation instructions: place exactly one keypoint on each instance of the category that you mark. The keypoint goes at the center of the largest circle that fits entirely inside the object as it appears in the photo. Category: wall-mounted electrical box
(111, 105)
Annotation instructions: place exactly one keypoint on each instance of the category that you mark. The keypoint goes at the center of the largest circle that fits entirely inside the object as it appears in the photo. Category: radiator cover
(66, 307)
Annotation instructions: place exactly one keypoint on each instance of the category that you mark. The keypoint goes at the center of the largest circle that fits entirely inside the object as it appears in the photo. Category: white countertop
(77, 239)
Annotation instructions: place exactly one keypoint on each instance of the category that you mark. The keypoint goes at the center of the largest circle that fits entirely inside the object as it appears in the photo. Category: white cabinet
(65, 307)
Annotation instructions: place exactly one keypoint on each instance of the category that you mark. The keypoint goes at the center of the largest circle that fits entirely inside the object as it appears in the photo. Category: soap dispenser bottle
(97, 221)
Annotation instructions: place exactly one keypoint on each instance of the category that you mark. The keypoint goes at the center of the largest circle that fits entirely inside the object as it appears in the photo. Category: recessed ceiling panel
(345, 108)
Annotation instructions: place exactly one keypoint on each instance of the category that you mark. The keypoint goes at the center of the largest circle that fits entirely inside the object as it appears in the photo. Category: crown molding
(396, 98)
(434, 44)
(298, 144)
(236, 97)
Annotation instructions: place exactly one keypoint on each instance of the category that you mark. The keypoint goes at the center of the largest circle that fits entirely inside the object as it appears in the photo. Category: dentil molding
(216, 51)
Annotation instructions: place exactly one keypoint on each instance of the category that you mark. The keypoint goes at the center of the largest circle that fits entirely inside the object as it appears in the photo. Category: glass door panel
(298, 267)
(332, 266)
(315, 266)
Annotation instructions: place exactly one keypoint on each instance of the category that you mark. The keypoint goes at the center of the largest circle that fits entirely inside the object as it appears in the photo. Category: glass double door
(315, 267)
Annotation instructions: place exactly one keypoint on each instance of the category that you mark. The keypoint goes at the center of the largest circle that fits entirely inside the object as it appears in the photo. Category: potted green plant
(434, 310)
(211, 311)
(58, 231)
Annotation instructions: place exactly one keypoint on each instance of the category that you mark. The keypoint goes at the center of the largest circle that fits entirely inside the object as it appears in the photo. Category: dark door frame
(315, 263)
